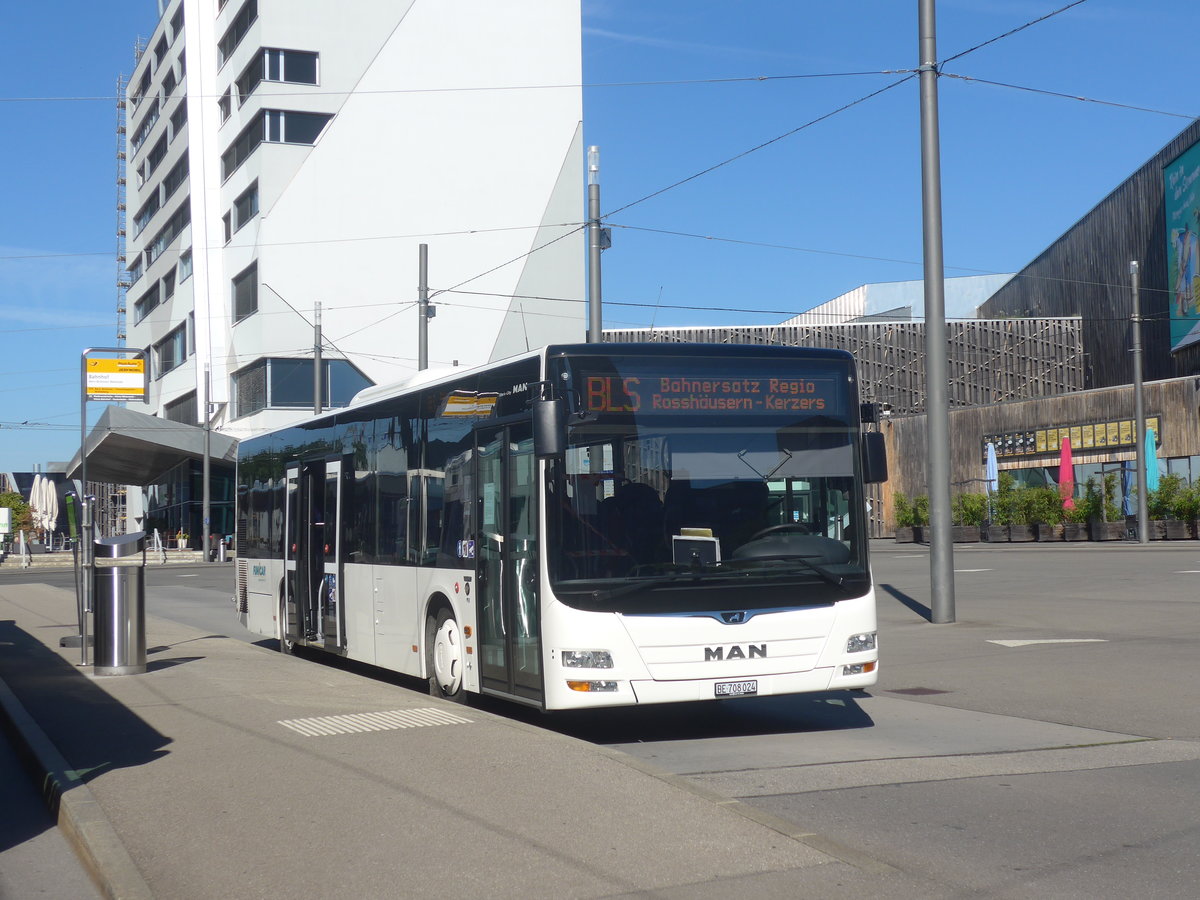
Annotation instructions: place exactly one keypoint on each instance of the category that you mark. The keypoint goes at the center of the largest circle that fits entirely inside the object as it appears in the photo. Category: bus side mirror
(549, 428)
(874, 455)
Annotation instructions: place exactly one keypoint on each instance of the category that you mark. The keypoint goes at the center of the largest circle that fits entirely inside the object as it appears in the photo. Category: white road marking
(187, 576)
(1051, 641)
(380, 721)
(972, 570)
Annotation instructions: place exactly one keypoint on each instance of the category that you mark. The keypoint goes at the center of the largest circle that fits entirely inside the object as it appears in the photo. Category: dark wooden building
(1085, 273)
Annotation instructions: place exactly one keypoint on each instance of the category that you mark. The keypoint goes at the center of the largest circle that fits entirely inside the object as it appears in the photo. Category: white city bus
(584, 526)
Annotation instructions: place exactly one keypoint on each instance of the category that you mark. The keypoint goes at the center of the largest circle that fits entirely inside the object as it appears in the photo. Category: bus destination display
(612, 394)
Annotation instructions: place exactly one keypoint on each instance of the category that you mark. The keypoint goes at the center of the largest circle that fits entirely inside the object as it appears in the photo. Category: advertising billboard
(1181, 180)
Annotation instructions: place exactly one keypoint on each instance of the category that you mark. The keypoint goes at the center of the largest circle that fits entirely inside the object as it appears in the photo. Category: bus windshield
(733, 489)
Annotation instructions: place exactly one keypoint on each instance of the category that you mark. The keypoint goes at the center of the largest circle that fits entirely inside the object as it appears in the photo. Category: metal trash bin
(119, 601)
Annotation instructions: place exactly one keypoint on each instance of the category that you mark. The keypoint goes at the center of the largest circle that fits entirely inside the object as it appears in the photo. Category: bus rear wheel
(443, 640)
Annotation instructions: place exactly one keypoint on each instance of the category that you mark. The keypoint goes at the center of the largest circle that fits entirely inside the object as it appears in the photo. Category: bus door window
(522, 530)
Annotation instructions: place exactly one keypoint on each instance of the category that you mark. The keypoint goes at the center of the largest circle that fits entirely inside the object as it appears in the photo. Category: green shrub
(970, 509)
(1100, 500)
(906, 516)
(1046, 506)
(1164, 501)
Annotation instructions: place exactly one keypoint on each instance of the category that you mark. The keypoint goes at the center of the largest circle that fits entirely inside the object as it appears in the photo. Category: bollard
(119, 602)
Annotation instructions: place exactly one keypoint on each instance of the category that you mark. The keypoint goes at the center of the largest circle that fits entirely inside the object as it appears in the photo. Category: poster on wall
(1181, 180)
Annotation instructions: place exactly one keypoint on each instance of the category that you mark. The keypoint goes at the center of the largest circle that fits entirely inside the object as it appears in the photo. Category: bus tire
(286, 646)
(445, 661)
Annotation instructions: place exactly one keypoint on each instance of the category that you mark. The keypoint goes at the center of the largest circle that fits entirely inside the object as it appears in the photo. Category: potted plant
(1162, 505)
(1002, 509)
(906, 518)
(1189, 508)
(1020, 526)
(921, 519)
(970, 512)
(1047, 514)
(1105, 522)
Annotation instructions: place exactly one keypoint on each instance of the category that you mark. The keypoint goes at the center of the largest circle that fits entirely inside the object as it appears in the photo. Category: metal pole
(937, 409)
(87, 530)
(317, 363)
(595, 317)
(423, 306)
(1139, 412)
(206, 512)
(87, 563)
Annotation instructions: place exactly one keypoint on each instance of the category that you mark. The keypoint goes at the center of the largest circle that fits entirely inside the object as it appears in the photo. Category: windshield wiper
(805, 561)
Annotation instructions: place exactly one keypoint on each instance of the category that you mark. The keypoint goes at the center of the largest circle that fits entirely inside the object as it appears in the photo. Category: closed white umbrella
(35, 501)
(50, 505)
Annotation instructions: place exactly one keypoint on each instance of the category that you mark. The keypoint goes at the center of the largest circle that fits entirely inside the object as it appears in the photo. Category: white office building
(287, 154)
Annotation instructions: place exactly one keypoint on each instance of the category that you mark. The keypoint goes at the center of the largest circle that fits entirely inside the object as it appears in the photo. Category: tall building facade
(289, 155)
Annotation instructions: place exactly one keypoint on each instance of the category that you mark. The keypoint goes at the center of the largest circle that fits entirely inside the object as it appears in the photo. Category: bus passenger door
(507, 563)
(289, 614)
(328, 548)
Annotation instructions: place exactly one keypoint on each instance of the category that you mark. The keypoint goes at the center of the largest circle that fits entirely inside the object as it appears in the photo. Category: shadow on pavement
(915, 605)
(92, 731)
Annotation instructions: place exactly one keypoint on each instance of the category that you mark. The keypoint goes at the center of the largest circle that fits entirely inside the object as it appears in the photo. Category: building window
(145, 127)
(157, 152)
(225, 104)
(285, 126)
(171, 351)
(160, 50)
(146, 213)
(288, 384)
(236, 31)
(177, 176)
(185, 265)
(168, 285)
(243, 145)
(295, 66)
(177, 24)
(175, 225)
(135, 271)
(183, 410)
(169, 83)
(245, 292)
(145, 304)
(178, 119)
(276, 126)
(245, 207)
(227, 224)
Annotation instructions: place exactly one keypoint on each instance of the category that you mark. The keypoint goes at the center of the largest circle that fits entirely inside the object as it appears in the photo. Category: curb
(79, 816)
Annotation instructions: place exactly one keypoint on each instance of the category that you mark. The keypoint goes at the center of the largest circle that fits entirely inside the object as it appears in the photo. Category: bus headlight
(587, 659)
(860, 642)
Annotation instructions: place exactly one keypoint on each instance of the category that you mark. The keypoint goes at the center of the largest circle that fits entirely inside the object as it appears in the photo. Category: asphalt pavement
(1046, 745)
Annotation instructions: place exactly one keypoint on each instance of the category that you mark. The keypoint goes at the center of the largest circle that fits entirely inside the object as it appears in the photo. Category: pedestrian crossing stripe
(1051, 641)
(389, 720)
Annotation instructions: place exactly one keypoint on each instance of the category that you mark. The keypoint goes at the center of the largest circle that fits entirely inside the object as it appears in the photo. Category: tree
(22, 519)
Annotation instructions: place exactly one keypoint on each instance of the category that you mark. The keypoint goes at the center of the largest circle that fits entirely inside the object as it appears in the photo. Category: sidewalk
(229, 770)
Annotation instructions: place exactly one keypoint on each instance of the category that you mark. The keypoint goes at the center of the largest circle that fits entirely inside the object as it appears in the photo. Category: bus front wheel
(445, 661)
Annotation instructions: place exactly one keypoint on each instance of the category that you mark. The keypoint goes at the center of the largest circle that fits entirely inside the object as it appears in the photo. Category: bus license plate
(736, 688)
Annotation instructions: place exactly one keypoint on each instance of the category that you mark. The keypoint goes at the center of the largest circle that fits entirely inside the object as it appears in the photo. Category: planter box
(965, 534)
(1075, 531)
(1044, 531)
(995, 533)
(1175, 530)
(921, 534)
(904, 534)
(1020, 533)
(1156, 529)
(1106, 531)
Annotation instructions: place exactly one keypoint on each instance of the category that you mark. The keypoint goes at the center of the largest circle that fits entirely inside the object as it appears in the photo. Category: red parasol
(1066, 476)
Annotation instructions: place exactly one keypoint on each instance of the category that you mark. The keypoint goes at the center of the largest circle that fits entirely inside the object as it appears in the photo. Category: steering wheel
(786, 528)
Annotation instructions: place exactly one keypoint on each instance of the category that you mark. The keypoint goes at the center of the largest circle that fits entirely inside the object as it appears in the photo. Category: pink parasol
(1066, 476)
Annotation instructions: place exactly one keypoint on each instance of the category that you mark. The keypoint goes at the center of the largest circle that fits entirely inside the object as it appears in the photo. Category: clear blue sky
(839, 201)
